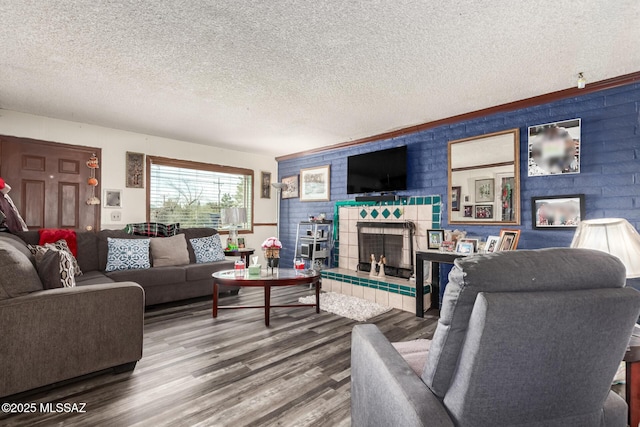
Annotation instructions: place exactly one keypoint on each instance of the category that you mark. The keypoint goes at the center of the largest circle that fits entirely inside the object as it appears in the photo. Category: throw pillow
(52, 235)
(60, 245)
(17, 275)
(127, 254)
(169, 250)
(55, 269)
(208, 249)
(152, 229)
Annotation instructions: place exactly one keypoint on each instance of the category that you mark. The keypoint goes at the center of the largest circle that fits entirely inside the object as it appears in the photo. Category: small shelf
(324, 239)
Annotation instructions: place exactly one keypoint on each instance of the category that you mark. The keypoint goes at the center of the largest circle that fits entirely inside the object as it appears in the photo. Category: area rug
(346, 306)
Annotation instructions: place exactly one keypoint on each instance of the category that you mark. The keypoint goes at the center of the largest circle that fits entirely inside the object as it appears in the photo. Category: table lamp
(233, 217)
(612, 235)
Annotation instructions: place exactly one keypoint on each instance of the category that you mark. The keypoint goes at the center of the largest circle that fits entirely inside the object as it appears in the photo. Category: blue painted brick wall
(609, 177)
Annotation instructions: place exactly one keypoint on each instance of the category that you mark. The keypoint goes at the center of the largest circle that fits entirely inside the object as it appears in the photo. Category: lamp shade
(612, 235)
(233, 216)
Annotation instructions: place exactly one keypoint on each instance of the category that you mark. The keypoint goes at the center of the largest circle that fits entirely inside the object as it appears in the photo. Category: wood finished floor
(229, 371)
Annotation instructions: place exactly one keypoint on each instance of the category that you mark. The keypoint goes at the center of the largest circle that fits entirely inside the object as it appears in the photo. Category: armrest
(53, 335)
(384, 389)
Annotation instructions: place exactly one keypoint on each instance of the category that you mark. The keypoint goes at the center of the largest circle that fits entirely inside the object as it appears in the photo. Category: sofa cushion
(55, 268)
(103, 246)
(93, 278)
(17, 275)
(128, 254)
(52, 235)
(88, 259)
(555, 269)
(151, 277)
(207, 249)
(415, 352)
(152, 229)
(19, 244)
(196, 233)
(60, 245)
(204, 271)
(169, 251)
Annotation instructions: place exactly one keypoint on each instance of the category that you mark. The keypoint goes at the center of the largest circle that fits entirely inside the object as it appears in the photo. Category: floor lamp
(278, 186)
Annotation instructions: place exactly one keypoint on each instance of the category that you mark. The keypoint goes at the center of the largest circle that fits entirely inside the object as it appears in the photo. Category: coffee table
(266, 280)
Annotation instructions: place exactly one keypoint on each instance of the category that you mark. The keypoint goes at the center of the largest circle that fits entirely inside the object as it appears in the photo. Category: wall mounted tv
(379, 171)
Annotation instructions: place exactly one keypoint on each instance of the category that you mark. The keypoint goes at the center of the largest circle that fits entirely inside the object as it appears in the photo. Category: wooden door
(49, 182)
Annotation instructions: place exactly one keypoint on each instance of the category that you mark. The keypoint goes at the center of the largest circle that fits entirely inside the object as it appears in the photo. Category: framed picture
(455, 198)
(291, 191)
(135, 170)
(508, 240)
(484, 212)
(553, 212)
(468, 211)
(315, 184)
(464, 248)
(241, 243)
(112, 199)
(265, 185)
(554, 148)
(493, 242)
(485, 190)
(435, 238)
(474, 242)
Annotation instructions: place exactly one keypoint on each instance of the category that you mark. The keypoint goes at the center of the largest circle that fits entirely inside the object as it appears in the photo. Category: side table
(243, 253)
(436, 258)
(632, 387)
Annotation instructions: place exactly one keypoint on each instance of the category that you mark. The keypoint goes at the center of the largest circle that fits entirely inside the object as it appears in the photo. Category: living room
(287, 121)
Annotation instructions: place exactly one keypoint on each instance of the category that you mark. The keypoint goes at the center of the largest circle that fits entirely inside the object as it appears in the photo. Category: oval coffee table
(267, 280)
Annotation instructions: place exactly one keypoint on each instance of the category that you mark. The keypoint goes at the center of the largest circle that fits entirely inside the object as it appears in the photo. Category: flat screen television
(377, 172)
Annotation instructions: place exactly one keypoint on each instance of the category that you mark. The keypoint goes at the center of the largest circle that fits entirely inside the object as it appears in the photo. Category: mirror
(484, 179)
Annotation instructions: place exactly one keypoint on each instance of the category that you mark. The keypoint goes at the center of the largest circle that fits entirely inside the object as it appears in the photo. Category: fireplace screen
(394, 240)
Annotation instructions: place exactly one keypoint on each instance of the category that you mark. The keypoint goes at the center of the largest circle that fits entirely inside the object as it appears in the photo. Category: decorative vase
(272, 256)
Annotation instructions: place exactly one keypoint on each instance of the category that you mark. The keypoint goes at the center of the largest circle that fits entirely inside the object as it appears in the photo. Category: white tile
(369, 294)
(352, 225)
(410, 213)
(343, 262)
(353, 252)
(352, 264)
(327, 285)
(344, 224)
(346, 288)
(395, 300)
(408, 303)
(424, 212)
(357, 291)
(344, 214)
(343, 238)
(382, 297)
(352, 238)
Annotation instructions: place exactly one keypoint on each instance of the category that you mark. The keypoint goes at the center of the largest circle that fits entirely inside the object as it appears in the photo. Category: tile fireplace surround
(394, 292)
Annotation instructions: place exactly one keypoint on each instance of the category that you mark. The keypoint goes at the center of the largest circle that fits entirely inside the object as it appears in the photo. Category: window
(193, 193)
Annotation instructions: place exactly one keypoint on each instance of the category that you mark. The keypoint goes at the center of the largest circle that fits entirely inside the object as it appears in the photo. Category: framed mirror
(484, 179)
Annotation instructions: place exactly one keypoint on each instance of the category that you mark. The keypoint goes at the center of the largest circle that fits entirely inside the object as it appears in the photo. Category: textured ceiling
(284, 76)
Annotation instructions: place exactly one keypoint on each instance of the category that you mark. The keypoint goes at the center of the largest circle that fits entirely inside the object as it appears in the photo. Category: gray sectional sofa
(161, 284)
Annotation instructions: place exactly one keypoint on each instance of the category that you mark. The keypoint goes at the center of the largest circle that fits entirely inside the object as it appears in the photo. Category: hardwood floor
(229, 371)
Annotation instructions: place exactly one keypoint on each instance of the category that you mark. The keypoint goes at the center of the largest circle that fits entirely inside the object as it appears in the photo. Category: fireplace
(394, 240)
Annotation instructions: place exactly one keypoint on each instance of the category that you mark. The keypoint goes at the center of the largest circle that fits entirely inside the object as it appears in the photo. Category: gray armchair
(525, 338)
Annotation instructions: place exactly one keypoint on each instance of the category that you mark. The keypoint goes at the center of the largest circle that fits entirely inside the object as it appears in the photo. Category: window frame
(209, 167)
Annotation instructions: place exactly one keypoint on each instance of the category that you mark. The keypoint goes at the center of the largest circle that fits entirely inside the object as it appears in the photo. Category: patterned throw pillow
(153, 229)
(55, 268)
(60, 245)
(207, 249)
(128, 254)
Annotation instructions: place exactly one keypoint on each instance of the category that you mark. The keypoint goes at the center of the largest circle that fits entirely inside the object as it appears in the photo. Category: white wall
(115, 143)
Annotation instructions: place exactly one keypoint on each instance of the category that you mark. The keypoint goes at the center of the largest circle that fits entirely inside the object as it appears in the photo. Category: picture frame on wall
(265, 185)
(554, 148)
(557, 212)
(483, 212)
(485, 190)
(508, 239)
(315, 184)
(435, 239)
(112, 199)
(135, 170)
(455, 198)
(291, 190)
(468, 211)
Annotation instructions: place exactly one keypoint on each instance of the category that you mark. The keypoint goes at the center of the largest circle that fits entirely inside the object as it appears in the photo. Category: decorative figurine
(373, 271)
(381, 264)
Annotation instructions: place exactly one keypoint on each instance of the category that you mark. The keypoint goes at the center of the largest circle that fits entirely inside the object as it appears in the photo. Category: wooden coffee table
(266, 280)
